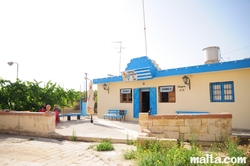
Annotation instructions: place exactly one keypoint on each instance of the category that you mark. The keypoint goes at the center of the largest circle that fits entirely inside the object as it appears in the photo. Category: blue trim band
(155, 73)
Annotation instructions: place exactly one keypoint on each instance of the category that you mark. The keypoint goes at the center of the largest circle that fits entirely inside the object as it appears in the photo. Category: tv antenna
(120, 51)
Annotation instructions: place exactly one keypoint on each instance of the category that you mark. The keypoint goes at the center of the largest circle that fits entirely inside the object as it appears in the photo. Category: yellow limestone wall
(37, 122)
(195, 99)
(207, 127)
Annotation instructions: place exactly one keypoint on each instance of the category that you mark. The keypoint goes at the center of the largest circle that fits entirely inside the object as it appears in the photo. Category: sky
(61, 40)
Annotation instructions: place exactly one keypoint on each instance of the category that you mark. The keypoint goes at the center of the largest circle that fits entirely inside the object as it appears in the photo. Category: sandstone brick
(224, 123)
(184, 129)
(204, 122)
(156, 129)
(190, 136)
(220, 131)
(159, 122)
(171, 134)
(175, 122)
(213, 129)
(192, 122)
(221, 125)
(181, 136)
(213, 121)
(207, 137)
(161, 135)
(146, 123)
(143, 116)
(171, 128)
(198, 129)
(152, 135)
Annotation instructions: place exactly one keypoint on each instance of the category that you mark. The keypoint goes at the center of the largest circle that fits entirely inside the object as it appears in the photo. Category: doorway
(145, 100)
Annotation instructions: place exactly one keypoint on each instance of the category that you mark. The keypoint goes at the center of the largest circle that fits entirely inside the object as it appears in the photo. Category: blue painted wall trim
(215, 67)
(155, 73)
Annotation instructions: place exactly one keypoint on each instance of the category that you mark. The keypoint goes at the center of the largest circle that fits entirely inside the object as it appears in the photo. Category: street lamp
(11, 63)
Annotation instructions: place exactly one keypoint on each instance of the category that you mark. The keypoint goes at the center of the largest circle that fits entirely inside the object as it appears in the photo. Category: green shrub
(105, 146)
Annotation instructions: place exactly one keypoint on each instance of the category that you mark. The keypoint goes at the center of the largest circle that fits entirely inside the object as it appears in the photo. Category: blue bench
(191, 112)
(71, 114)
(115, 114)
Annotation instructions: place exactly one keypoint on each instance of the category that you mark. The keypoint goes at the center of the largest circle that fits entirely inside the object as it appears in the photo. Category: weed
(129, 141)
(232, 148)
(105, 145)
(153, 152)
(91, 146)
(130, 154)
(73, 137)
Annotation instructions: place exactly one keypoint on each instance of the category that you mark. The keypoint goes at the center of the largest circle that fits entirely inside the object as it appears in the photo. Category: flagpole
(144, 27)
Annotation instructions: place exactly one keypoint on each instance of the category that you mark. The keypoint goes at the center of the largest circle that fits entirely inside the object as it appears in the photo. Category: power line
(236, 50)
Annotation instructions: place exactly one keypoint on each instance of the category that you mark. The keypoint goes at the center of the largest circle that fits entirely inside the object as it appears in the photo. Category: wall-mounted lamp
(186, 80)
(11, 63)
(105, 87)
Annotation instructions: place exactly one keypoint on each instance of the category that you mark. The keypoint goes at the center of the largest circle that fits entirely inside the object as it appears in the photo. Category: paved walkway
(22, 151)
(119, 131)
(36, 151)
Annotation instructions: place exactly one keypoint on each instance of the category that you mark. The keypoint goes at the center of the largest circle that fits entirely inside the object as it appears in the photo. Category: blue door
(153, 101)
(136, 102)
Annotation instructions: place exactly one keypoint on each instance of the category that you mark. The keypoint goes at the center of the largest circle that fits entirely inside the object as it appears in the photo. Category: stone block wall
(206, 127)
(18, 121)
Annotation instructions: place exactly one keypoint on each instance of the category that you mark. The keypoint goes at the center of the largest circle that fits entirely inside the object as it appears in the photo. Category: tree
(30, 95)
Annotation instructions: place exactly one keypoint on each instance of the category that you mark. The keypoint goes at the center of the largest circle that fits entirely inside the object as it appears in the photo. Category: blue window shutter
(153, 101)
(136, 102)
(232, 83)
(222, 91)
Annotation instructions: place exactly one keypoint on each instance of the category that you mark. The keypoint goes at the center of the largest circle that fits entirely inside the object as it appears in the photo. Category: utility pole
(120, 51)
(86, 77)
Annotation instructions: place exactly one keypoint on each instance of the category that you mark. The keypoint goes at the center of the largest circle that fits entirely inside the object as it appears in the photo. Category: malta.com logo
(210, 159)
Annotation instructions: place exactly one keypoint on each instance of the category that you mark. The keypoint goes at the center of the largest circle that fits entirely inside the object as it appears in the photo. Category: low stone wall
(18, 121)
(206, 127)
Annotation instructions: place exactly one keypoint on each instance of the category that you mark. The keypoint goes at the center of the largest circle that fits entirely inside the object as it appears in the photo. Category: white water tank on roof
(211, 54)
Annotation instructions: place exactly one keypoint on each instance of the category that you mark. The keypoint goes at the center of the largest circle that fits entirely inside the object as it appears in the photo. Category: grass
(160, 153)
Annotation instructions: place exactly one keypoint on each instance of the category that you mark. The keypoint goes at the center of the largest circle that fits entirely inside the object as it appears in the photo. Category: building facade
(143, 86)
